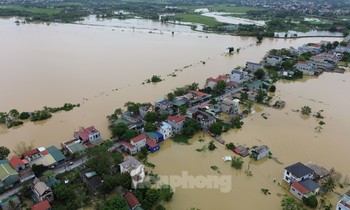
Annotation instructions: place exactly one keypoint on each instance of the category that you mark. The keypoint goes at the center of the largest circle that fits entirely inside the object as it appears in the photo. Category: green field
(195, 18)
(48, 11)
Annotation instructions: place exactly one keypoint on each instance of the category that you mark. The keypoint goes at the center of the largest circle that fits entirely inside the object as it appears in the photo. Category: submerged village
(116, 174)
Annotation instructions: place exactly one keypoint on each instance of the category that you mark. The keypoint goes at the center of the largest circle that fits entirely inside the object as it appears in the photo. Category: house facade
(297, 172)
(305, 67)
(87, 134)
(143, 110)
(176, 122)
(41, 190)
(305, 188)
(135, 169)
(18, 164)
(230, 106)
(204, 119)
(260, 152)
(152, 146)
(165, 129)
(344, 202)
(253, 67)
(238, 76)
(139, 141)
(211, 83)
(273, 60)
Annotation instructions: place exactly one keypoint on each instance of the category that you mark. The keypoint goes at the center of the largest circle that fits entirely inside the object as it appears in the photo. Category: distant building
(260, 152)
(306, 67)
(139, 141)
(305, 188)
(239, 76)
(143, 110)
(165, 129)
(273, 60)
(320, 172)
(10, 203)
(211, 83)
(92, 180)
(297, 172)
(18, 164)
(135, 169)
(176, 122)
(87, 134)
(230, 106)
(204, 119)
(344, 202)
(253, 67)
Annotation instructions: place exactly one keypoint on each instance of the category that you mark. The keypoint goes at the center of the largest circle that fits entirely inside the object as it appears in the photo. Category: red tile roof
(45, 152)
(213, 79)
(202, 106)
(127, 144)
(198, 93)
(223, 77)
(299, 187)
(131, 199)
(43, 205)
(302, 62)
(232, 84)
(177, 119)
(139, 138)
(30, 152)
(15, 161)
(84, 134)
(151, 143)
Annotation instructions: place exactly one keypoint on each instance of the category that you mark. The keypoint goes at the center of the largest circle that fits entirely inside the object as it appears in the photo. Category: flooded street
(44, 65)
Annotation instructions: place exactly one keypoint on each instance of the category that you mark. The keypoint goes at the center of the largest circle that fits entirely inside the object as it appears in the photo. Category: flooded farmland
(103, 67)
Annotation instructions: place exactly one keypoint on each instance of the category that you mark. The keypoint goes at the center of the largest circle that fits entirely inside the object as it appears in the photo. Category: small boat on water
(227, 158)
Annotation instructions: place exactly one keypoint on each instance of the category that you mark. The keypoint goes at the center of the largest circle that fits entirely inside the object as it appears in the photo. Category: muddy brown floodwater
(44, 65)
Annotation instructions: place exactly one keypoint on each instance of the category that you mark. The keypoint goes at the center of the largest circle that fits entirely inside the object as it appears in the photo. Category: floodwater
(103, 67)
(311, 33)
(290, 137)
(219, 16)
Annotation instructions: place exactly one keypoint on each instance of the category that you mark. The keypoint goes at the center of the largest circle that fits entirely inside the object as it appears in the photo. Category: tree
(129, 134)
(118, 129)
(344, 44)
(116, 202)
(113, 117)
(4, 152)
(305, 110)
(190, 127)
(216, 128)
(183, 110)
(244, 96)
(64, 193)
(48, 174)
(289, 203)
(24, 115)
(166, 193)
(39, 169)
(328, 184)
(151, 117)
(171, 96)
(259, 38)
(230, 146)
(23, 147)
(150, 127)
(132, 107)
(259, 74)
(211, 146)
(160, 207)
(237, 162)
(14, 113)
(101, 160)
(237, 123)
(335, 44)
(311, 201)
(220, 86)
(272, 89)
(261, 95)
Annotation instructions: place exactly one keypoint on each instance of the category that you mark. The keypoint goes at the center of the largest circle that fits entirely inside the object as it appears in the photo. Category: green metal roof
(56, 154)
(6, 170)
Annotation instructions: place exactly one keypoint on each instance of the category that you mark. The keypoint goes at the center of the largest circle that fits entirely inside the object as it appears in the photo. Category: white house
(304, 188)
(344, 202)
(273, 60)
(230, 106)
(143, 110)
(165, 129)
(211, 83)
(253, 67)
(297, 172)
(305, 67)
(135, 169)
(239, 76)
(260, 152)
(139, 141)
(177, 122)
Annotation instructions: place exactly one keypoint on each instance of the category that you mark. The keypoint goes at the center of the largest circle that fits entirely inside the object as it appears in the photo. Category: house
(241, 150)
(198, 97)
(305, 67)
(8, 175)
(164, 106)
(139, 141)
(253, 67)
(131, 200)
(41, 191)
(18, 164)
(43, 158)
(135, 169)
(56, 154)
(256, 85)
(280, 104)
(92, 180)
(304, 188)
(273, 60)
(131, 117)
(239, 76)
(320, 172)
(10, 203)
(224, 78)
(297, 172)
(87, 134)
(151, 145)
(74, 146)
(155, 136)
(344, 202)
(144, 109)
(230, 106)
(43, 205)
(211, 83)
(165, 129)
(26, 174)
(204, 119)
(128, 147)
(32, 154)
(260, 152)
(176, 122)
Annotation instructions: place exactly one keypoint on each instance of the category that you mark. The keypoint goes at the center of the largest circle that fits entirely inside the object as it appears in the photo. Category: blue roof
(158, 134)
(309, 184)
(56, 154)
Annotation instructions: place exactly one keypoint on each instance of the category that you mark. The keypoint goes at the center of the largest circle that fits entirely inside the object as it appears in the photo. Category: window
(299, 194)
(287, 178)
(288, 173)
(293, 189)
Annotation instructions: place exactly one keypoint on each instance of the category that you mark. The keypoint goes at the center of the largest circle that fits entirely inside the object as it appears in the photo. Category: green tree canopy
(191, 126)
(4, 152)
(116, 202)
(216, 128)
(259, 74)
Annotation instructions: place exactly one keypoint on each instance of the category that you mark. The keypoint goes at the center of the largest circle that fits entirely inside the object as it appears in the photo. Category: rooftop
(177, 119)
(85, 132)
(139, 138)
(309, 184)
(6, 170)
(151, 143)
(299, 169)
(319, 170)
(15, 161)
(131, 199)
(56, 154)
(299, 187)
(45, 160)
(43, 205)
(130, 163)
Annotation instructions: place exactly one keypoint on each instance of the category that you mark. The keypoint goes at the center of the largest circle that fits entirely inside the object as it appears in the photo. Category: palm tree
(328, 184)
